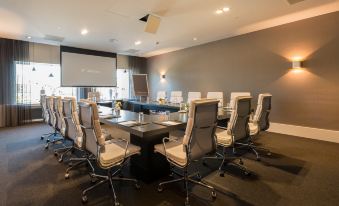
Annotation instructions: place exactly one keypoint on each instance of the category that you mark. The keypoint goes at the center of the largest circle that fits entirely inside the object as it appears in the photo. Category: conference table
(148, 166)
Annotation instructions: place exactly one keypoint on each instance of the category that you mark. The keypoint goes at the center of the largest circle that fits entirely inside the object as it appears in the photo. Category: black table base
(149, 166)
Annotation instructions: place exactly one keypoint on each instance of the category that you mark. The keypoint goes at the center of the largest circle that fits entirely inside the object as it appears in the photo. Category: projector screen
(87, 68)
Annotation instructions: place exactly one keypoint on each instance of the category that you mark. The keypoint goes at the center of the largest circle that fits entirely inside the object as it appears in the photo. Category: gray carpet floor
(299, 172)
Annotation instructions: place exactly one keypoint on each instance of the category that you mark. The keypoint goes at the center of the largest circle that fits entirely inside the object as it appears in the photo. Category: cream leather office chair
(94, 96)
(60, 127)
(74, 133)
(237, 129)
(110, 154)
(216, 95)
(237, 94)
(161, 94)
(52, 121)
(176, 97)
(45, 115)
(260, 122)
(199, 140)
(193, 96)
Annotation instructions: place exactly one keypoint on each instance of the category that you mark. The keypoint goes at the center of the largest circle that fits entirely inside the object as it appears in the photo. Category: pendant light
(33, 69)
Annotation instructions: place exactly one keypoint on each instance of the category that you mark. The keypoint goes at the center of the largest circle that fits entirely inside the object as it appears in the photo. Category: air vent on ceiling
(132, 51)
(152, 23)
(294, 1)
(54, 38)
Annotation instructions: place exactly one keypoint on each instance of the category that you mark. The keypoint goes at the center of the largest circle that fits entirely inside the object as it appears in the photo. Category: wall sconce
(163, 76)
(296, 64)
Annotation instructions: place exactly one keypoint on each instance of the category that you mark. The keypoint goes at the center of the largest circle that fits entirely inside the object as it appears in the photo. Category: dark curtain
(13, 109)
(136, 65)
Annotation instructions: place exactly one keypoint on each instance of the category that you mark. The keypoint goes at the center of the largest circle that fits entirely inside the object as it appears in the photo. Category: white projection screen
(87, 68)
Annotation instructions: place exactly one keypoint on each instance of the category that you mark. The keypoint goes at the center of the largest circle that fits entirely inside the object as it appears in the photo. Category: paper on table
(108, 116)
(128, 123)
(170, 123)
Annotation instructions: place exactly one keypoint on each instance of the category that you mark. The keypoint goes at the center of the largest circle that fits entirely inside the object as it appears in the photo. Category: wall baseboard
(307, 132)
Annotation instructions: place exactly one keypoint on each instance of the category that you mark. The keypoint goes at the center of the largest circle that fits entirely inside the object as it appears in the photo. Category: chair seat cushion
(174, 151)
(113, 152)
(254, 128)
(223, 138)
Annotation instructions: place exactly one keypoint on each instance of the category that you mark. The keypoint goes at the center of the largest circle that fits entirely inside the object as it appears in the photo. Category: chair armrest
(166, 140)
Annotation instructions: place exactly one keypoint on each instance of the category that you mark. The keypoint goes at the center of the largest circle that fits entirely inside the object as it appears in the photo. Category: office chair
(74, 133)
(237, 94)
(199, 140)
(109, 155)
(45, 116)
(94, 96)
(216, 95)
(193, 96)
(161, 94)
(176, 97)
(260, 122)
(52, 121)
(237, 129)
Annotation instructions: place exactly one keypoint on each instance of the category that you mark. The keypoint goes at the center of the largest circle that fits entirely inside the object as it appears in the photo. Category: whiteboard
(83, 70)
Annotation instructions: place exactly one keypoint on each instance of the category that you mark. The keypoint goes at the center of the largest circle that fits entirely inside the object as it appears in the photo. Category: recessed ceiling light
(226, 9)
(137, 42)
(28, 37)
(58, 28)
(219, 11)
(195, 38)
(84, 32)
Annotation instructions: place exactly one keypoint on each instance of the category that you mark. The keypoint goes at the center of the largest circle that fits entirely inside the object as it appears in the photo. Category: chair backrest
(44, 107)
(92, 95)
(216, 95)
(199, 138)
(193, 96)
(89, 121)
(237, 94)
(262, 112)
(73, 129)
(176, 97)
(161, 94)
(50, 110)
(238, 124)
(59, 117)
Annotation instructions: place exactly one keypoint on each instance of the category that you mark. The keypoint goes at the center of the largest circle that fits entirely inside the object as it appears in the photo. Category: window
(119, 92)
(44, 78)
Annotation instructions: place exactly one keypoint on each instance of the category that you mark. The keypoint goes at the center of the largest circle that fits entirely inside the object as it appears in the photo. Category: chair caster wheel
(70, 164)
(48, 140)
(46, 147)
(60, 160)
(222, 174)
(204, 163)
(214, 194)
(137, 186)
(199, 176)
(258, 159)
(55, 153)
(160, 188)
(247, 173)
(187, 203)
(241, 162)
(84, 199)
(116, 204)
(67, 176)
(41, 137)
(269, 154)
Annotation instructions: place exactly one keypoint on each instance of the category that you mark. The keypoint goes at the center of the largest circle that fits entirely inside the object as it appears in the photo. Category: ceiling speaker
(294, 1)
(152, 23)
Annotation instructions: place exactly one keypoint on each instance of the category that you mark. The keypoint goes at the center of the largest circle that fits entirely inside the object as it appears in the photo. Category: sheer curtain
(14, 110)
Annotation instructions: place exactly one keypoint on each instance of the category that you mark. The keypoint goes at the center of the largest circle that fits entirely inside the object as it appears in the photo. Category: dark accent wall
(260, 62)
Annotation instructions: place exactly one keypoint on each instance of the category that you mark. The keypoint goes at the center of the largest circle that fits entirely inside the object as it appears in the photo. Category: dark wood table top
(152, 124)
